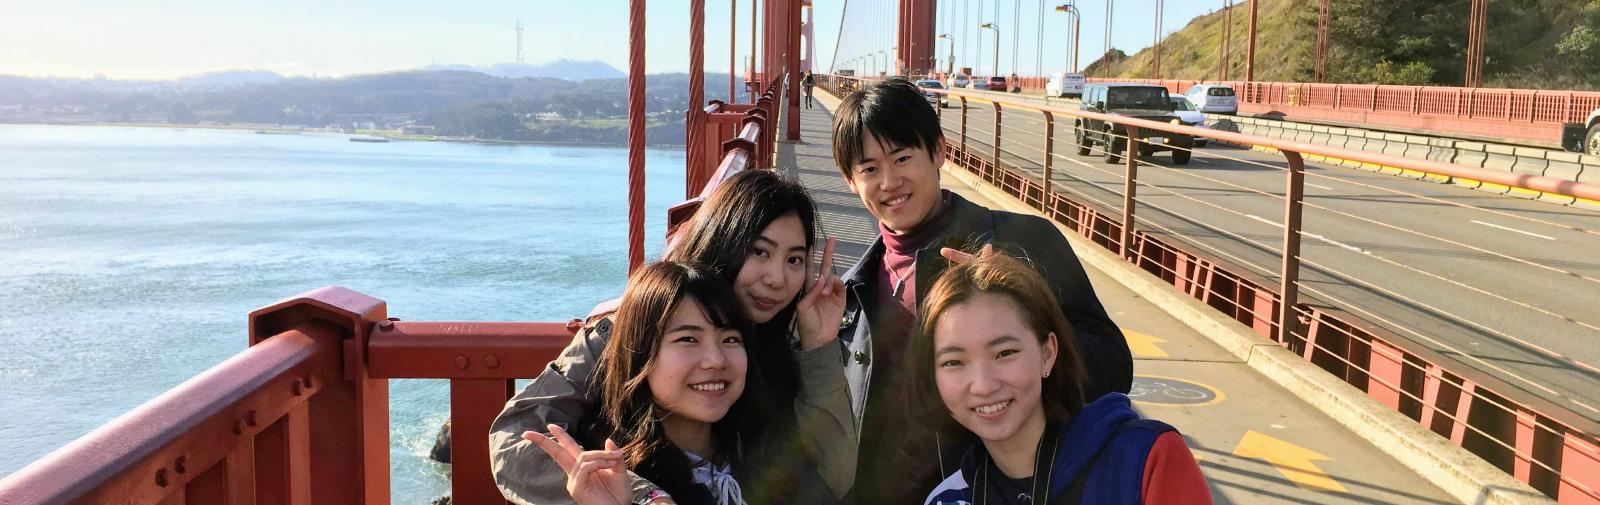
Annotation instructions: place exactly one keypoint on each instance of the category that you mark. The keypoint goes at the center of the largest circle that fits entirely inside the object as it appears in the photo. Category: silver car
(934, 99)
(1190, 115)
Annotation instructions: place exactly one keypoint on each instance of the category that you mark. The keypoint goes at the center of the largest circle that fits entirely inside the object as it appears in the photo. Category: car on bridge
(1190, 115)
(1218, 98)
(959, 80)
(997, 83)
(1139, 101)
(935, 99)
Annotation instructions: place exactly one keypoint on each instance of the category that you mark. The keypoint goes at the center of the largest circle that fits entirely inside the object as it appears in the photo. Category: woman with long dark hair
(756, 232)
(673, 380)
(995, 356)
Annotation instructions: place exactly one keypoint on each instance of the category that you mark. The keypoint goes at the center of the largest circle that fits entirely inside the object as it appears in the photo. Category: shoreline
(385, 134)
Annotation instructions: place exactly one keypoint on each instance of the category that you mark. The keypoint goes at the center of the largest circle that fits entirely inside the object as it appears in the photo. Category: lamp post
(1071, 60)
(884, 70)
(950, 62)
(1105, 58)
(996, 29)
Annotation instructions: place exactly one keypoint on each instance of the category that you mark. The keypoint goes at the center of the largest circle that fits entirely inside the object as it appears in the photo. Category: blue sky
(171, 38)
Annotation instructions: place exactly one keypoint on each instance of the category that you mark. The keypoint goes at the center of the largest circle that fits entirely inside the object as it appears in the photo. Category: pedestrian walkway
(1256, 442)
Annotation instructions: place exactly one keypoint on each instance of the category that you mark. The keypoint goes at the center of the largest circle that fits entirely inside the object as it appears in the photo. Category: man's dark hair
(894, 111)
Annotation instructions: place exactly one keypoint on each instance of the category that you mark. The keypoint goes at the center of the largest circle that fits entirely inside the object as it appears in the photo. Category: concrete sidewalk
(1256, 442)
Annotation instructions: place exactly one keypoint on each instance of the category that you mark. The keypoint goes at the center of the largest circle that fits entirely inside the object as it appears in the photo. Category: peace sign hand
(818, 313)
(959, 257)
(593, 477)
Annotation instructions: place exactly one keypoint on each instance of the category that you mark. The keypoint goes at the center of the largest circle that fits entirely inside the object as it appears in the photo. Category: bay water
(130, 257)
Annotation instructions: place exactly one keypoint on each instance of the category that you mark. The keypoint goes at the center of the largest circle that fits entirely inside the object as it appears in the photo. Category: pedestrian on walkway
(995, 356)
(888, 146)
(756, 232)
(808, 82)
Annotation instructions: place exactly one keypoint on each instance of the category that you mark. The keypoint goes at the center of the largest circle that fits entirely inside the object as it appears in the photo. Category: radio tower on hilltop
(519, 41)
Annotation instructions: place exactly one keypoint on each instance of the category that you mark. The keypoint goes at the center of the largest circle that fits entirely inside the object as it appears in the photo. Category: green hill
(1545, 44)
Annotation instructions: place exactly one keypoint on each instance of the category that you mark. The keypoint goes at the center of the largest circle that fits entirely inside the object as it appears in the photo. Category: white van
(1065, 84)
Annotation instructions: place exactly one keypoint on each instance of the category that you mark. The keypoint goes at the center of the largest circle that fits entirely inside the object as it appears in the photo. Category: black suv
(1141, 101)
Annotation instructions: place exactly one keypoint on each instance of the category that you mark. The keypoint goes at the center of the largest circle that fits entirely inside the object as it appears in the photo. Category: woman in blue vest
(995, 355)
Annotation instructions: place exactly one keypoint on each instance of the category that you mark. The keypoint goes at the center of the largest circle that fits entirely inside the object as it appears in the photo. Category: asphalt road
(1508, 286)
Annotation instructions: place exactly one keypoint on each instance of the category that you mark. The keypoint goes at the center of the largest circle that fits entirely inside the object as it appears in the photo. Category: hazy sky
(171, 38)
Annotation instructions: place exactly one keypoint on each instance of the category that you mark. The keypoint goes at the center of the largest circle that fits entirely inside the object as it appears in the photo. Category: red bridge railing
(1520, 114)
(302, 416)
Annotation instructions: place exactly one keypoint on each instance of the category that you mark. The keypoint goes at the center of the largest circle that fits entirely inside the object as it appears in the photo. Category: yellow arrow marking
(1292, 461)
(1144, 345)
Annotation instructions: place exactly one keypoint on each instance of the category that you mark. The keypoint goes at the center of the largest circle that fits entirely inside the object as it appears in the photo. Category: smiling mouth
(710, 387)
(992, 409)
(764, 303)
(896, 201)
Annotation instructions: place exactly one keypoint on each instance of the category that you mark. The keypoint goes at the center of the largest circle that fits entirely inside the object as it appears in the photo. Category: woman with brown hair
(673, 380)
(755, 233)
(995, 355)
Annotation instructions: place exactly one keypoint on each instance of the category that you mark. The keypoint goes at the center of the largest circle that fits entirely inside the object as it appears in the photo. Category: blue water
(129, 257)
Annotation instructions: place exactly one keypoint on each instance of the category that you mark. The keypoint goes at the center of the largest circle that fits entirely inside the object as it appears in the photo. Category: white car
(1190, 116)
(959, 80)
(978, 83)
(1591, 140)
(1065, 84)
(1214, 98)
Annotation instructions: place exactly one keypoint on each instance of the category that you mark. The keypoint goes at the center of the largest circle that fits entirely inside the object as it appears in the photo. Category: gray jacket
(561, 395)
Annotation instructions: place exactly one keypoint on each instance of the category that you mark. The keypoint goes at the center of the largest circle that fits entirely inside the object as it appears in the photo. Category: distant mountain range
(570, 70)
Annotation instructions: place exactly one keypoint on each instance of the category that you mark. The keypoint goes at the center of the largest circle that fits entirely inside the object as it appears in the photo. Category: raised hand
(593, 477)
(958, 257)
(818, 313)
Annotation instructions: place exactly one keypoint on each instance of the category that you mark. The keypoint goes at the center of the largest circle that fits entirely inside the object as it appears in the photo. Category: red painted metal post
(695, 149)
(792, 32)
(963, 126)
(995, 148)
(474, 403)
(1289, 274)
(1250, 52)
(1323, 17)
(1227, 35)
(1044, 179)
(636, 115)
(733, 46)
(1130, 183)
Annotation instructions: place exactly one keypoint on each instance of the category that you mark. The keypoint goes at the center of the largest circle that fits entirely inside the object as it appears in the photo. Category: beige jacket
(561, 395)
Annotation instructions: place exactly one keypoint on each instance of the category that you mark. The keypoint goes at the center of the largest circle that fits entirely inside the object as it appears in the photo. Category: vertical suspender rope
(696, 149)
(636, 114)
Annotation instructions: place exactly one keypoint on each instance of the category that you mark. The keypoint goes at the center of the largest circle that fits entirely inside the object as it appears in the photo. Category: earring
(1047, 374)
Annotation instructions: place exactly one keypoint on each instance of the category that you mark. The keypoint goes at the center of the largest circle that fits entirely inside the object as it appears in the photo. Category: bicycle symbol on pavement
(1170, 391)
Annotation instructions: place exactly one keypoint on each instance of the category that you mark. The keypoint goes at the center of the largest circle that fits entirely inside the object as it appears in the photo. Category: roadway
(1501, 284)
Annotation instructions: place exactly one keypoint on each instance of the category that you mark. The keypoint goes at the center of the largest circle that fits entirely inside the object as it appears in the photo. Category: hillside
(1545, 44)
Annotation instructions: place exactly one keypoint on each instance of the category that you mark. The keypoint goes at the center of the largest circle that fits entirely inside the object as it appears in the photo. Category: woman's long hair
(720, 237)
(999, 274)
(627, 405)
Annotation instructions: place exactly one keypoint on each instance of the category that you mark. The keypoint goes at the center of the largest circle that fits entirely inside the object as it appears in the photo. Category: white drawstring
(719, 479)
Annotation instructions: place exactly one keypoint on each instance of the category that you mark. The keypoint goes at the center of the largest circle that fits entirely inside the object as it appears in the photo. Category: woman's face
(699, 369)
(989, 367)
(775, 269)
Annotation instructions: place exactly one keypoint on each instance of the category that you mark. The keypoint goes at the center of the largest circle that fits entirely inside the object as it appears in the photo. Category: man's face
(898, 185)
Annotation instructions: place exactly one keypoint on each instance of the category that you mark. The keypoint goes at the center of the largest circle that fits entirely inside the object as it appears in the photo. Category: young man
(889, 147)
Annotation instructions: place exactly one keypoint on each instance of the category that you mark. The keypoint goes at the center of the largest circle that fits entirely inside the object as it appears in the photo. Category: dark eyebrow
(686, 327)
(1003, 339)
(867, 159)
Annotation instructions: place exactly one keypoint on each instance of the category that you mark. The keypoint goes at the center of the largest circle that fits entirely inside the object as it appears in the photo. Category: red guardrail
(1533, 439)
(1518, 114)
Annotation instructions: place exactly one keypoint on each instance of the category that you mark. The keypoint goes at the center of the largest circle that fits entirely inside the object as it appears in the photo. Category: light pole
(1105, 58)
(950, 63)
(885, 69)
(1071, 60)
(996, 29)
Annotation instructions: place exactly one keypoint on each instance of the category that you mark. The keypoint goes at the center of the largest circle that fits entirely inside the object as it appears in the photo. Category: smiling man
(888, 146)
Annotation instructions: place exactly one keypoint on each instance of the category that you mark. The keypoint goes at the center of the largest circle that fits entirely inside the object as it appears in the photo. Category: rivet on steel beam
(491, 362)
(308, 382)
(386, 325)
(181, 465)
(250, 418)
(161, 478)
(461, 362)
